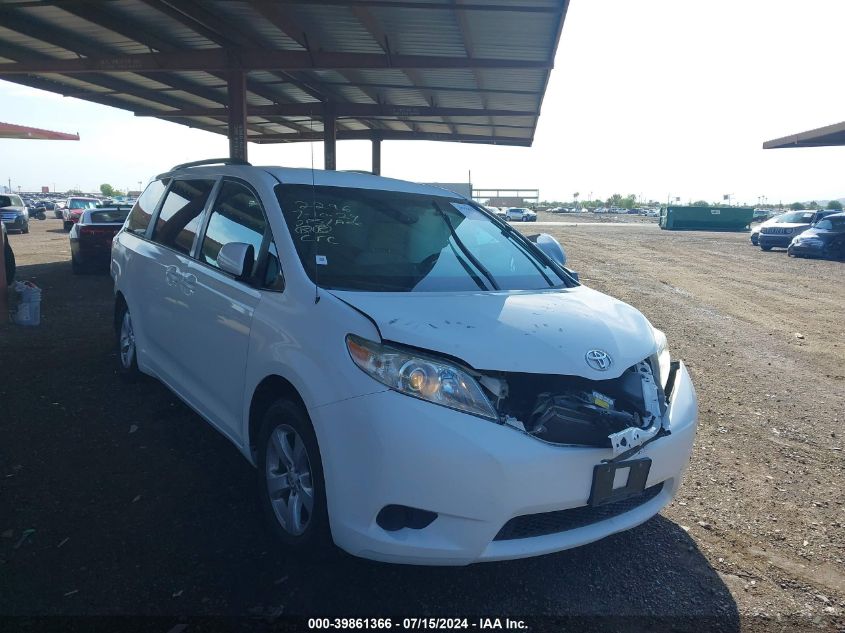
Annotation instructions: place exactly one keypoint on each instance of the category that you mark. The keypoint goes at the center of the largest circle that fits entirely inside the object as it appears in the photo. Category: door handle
(172, 275)
(189, 283)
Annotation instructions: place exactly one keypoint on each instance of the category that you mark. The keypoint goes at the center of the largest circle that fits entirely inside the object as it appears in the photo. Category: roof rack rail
(212, 161)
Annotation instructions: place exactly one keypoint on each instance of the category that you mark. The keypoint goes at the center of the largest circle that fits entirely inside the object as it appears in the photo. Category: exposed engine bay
(621, 414)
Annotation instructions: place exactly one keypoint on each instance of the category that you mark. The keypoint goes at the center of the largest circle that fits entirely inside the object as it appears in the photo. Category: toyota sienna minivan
(414, 380)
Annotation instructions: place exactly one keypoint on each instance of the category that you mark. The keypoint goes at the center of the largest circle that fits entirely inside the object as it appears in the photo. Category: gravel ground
(117, 499)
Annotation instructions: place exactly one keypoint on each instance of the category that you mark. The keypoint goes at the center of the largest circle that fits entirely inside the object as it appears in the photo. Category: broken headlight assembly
(419, 376)
(662, 360)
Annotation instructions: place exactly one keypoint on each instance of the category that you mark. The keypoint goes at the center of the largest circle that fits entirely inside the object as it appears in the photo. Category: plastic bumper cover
(387, 448)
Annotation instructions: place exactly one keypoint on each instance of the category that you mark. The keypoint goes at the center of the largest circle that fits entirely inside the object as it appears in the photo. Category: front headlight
(421, 377)
(663, 358)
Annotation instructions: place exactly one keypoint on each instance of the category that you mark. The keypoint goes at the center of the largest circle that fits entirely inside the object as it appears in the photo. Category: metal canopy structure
(831, 135)
(277, 71)
(10, 130)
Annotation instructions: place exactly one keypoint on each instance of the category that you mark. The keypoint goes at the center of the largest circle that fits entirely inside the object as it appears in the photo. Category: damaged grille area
(570, 410)
(547, 523)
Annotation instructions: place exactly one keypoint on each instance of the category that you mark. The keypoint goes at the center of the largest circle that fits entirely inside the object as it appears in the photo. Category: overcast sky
(654, 97)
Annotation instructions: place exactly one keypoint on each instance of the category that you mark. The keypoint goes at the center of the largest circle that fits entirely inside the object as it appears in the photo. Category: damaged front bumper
(478, 477)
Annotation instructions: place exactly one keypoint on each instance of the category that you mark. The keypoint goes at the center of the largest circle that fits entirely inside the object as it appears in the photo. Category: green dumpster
(706, 218)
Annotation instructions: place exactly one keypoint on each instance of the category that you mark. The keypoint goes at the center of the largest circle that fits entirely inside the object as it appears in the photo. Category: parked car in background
(755, 231)
(91, 237)
(14, 213)
(395, 389)
(498, 212)
(74, 208)
(520, 214)
(778, 232)
(826, 238)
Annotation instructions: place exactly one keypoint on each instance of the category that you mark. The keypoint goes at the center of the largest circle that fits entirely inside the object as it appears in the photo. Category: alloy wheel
(289, 480)
(127, 341)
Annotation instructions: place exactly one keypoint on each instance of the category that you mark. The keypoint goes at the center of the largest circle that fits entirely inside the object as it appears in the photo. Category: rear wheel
(766, 248)
(25, 228)
(68, 226)
(126, 350)
(290, 481)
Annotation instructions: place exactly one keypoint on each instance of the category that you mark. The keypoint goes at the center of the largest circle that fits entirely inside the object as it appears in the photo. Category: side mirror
(236, 259)
(550, 246)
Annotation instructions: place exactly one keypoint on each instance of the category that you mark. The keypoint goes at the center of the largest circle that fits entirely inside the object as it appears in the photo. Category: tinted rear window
(142, 212)
(108, 216)
(77, 203)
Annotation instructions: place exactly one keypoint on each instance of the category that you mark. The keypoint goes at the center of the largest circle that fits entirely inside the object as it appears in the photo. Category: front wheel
(25, 228)
(68, 226)
(290, 481)
(766, 248)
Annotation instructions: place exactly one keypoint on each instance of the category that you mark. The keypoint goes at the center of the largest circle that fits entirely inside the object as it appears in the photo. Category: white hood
(540, 332)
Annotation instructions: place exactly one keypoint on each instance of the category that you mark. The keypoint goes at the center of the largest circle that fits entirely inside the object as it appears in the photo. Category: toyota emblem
(598, 360)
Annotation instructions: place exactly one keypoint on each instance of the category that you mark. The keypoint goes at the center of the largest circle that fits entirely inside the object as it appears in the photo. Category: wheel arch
(119, 305)
(270, 389)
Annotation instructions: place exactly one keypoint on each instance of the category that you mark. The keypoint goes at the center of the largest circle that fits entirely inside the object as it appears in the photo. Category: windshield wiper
(464, 249)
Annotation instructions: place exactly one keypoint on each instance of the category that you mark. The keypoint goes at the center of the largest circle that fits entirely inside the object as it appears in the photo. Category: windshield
(82, 204)
(831, 224)
(387, 241)
(799, 217)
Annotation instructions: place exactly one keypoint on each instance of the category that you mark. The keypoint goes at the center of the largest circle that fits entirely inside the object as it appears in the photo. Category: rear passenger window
(139, 217)
(179, 218)
(235, 217)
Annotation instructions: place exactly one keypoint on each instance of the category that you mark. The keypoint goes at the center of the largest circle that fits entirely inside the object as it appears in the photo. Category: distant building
(508, 202)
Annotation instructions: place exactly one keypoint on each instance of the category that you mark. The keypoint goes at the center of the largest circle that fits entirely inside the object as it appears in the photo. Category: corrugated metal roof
(455, 69)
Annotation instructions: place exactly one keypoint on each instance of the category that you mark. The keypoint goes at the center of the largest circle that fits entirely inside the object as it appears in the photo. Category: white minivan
(414, 379)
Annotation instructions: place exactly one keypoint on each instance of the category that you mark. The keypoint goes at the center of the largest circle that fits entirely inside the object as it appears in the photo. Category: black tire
(25, 228)
(754, 240)
(289, 419)
(68, 226)
(127, 363)
(9, 255)
(765, 248)
(76, 267)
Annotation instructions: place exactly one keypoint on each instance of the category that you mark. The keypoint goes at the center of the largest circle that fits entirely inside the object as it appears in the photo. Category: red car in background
(74, 207)
(91, 237)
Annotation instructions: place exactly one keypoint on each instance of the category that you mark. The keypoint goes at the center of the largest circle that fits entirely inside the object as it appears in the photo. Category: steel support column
(330, 136)
(376, 156)
(237, 114)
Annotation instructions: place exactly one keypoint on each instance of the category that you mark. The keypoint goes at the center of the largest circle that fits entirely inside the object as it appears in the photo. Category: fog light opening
(393, 518)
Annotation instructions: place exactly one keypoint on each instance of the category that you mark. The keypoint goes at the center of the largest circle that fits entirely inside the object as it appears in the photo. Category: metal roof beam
(410, 4)
(396, 135)
(247, 60)
(350, 110)
(506, 91)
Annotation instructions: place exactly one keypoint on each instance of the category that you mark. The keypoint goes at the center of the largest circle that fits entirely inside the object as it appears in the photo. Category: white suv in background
(413, 378)
(521, 214)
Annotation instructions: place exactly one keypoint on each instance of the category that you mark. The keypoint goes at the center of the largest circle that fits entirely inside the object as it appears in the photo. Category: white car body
(215, 341)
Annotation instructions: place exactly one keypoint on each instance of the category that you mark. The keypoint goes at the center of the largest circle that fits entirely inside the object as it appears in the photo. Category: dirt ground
(117, 499)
